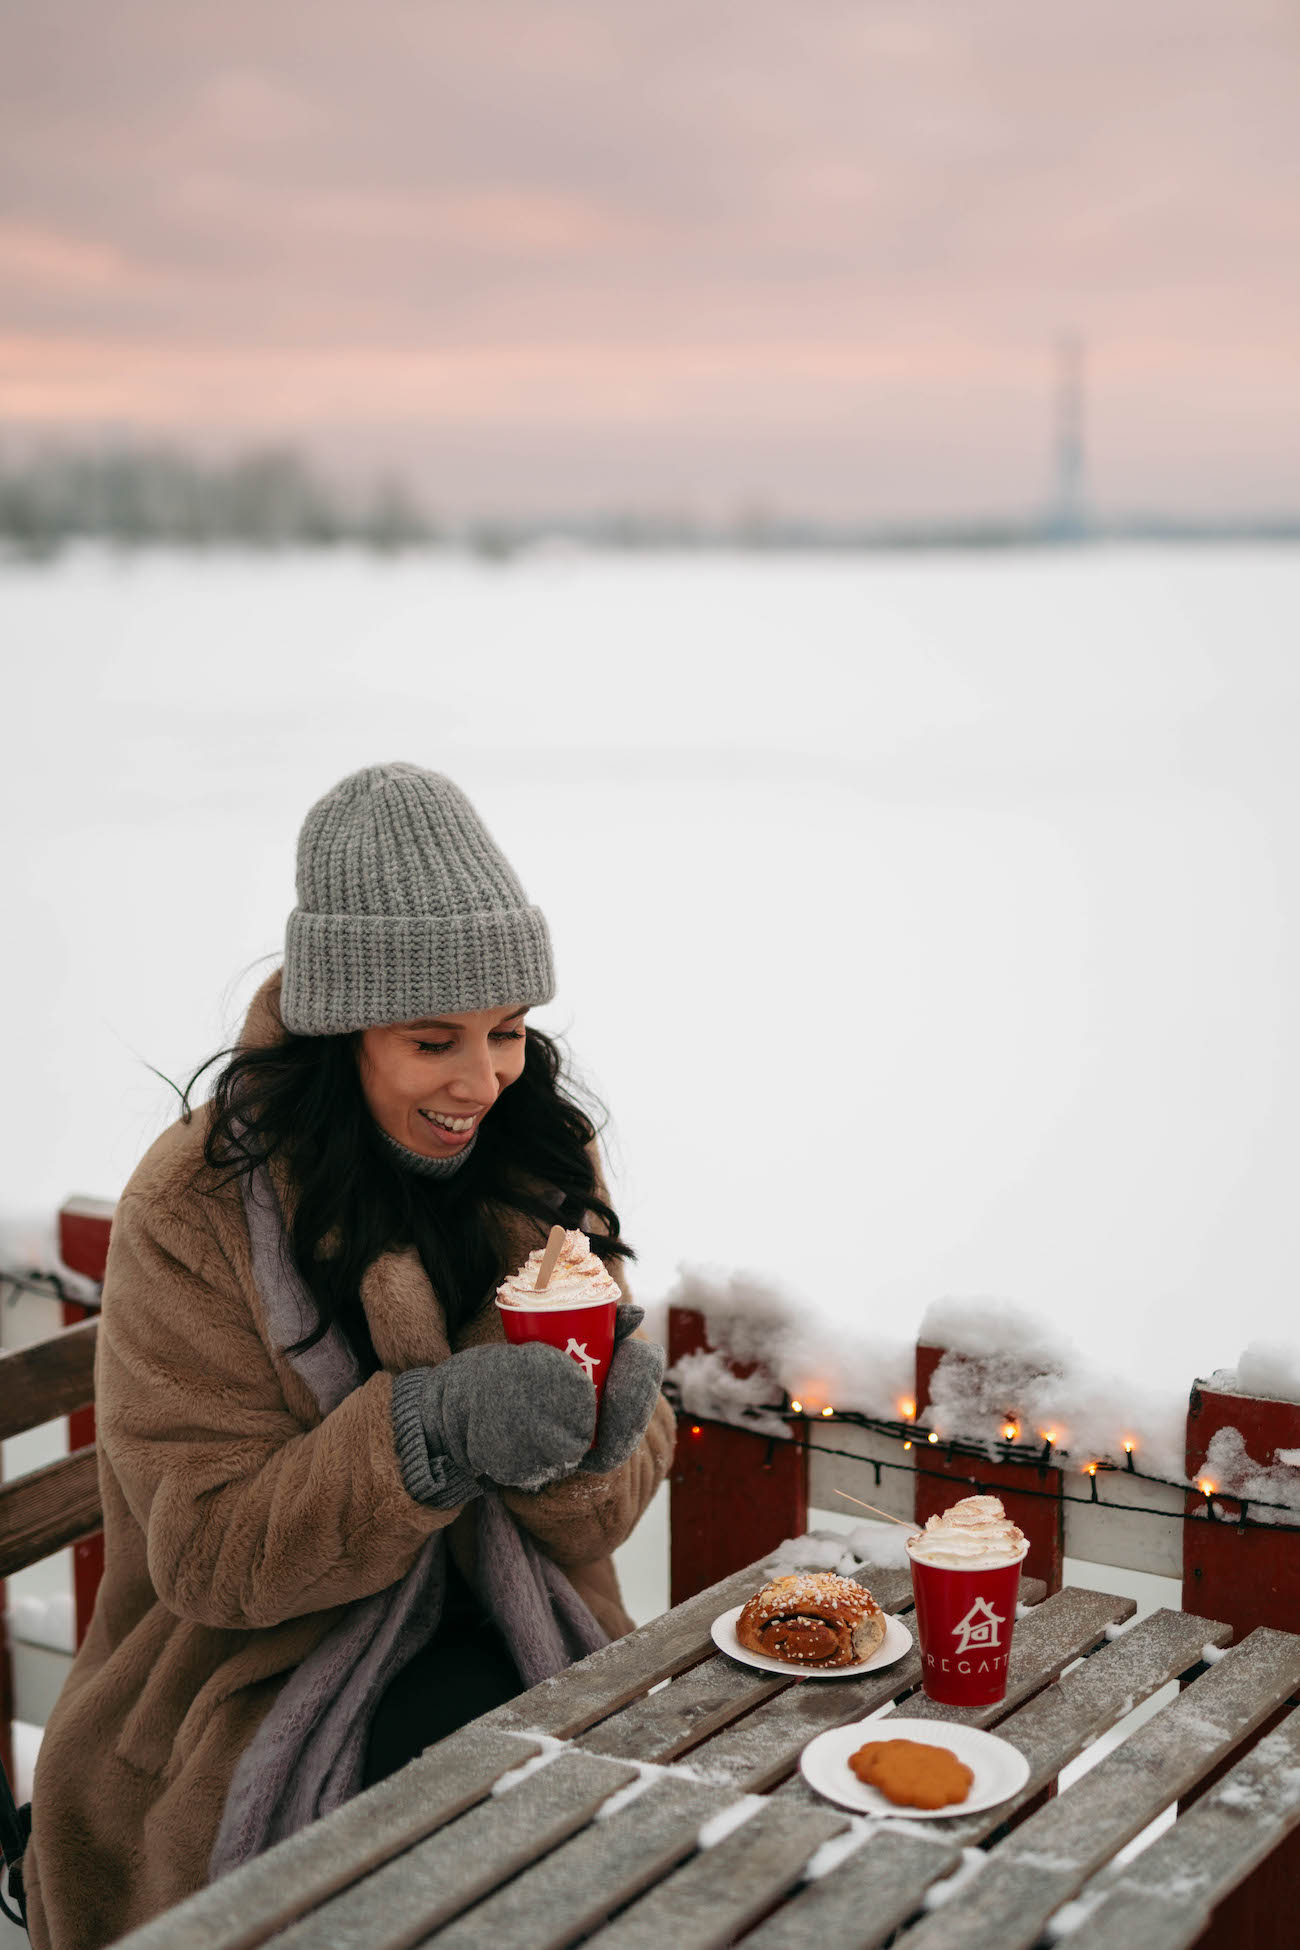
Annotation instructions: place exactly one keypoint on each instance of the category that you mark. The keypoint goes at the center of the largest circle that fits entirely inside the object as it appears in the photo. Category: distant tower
(1067, 518)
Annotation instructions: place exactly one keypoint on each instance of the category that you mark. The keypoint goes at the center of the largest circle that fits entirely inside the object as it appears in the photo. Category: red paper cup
(585, 1333)
(964, 1620)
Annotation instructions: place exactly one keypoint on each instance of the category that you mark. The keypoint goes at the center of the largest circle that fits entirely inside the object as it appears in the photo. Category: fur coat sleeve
(254, 1509)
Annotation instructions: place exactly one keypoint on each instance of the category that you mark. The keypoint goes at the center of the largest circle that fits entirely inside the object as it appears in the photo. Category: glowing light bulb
(907, 1445)
(796, 1408)
(908, 1410)
(1128, 1448)
(1091, 1469)
(696, 1429)
(932, 1437)
(1048, 1435)
(1206, 1487)
(828, 1411)
(1009, 1431)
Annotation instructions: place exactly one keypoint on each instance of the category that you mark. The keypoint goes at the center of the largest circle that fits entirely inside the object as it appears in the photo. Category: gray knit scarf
(307, 1755)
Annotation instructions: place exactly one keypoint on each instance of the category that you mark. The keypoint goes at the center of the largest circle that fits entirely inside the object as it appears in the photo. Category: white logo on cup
(577, 1351)
(979, 1628)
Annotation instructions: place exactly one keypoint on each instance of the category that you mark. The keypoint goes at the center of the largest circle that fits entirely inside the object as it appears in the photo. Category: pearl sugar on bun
(812, 1618)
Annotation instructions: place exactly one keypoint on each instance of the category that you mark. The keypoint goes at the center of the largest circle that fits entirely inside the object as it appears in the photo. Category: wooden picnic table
(649, 1798)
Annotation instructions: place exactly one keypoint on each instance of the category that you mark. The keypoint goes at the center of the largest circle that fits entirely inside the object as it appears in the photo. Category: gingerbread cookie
(911, 1773)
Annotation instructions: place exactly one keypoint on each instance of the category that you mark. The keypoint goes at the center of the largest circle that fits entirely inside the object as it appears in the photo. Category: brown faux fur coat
(237, 1524)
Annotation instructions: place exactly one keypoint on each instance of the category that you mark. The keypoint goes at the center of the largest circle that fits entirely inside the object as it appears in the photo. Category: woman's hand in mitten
(631, 1391)
(519, 1415)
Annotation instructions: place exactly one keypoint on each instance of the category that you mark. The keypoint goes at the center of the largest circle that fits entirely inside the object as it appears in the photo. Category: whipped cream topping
(972, 1535)
(579, 1279)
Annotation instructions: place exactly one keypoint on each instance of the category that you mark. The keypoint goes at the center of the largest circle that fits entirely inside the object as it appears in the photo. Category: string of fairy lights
(47, 1286)
(1042, 1454)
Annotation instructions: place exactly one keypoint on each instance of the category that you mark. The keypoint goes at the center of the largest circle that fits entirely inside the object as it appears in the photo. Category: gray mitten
(520, 1416)
(631, 1391)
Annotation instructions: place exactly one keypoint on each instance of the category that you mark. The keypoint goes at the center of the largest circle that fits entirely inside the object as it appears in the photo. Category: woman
(341, 1516)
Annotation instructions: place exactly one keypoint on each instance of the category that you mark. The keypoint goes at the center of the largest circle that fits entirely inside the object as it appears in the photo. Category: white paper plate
(1000, 1769)
(896, 1642)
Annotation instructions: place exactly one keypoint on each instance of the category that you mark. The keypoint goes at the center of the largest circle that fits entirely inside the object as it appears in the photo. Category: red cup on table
(965, 1580)
(581, 1327)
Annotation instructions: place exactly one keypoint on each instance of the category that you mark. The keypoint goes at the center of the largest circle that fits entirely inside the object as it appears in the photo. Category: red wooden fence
(734, 1495)
(84, 1226)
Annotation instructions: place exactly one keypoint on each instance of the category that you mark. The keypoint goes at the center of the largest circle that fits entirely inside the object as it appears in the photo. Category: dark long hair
(301, 1101)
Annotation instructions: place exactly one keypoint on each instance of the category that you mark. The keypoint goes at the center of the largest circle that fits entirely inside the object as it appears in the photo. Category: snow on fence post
(732, 1494)
(1030, 1491)
(1247, 1577)
(84, 1226)
(1244, 1576)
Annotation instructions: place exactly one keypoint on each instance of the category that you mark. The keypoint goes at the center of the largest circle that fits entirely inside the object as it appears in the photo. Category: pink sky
(812, 256)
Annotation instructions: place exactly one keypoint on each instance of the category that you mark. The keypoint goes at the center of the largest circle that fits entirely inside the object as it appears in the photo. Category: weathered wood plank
(670, 1722)
(1045, 1861)
(402, 1902)
(604, 1681)
(1163, 1899)
(48, 1509)
(250, 1904)
(47, 1379)
(755, 1753)
(709, 1902)
(871, 1894)
(875, 1890)
(664, 1725)
(572, 1890)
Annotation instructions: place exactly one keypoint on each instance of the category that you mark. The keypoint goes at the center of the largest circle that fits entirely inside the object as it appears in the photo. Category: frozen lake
(929, 924)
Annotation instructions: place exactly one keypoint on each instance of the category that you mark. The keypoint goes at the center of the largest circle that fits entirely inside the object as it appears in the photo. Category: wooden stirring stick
(550, 1258)
(877, 1513)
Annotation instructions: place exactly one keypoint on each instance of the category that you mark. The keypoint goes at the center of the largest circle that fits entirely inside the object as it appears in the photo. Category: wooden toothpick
(550, 1258)
(877, 1513)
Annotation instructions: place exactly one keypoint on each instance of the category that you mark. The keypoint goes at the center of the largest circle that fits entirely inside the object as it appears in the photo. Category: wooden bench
(49, 1508)
(55, 1506)
(58, 1505)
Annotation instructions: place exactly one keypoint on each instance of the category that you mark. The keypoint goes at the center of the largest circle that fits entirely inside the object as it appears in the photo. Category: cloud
(525, 195)
(43, 260)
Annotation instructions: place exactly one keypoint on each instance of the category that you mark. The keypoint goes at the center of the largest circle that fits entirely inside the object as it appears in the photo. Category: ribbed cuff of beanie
(435, 1480)
(352, 971)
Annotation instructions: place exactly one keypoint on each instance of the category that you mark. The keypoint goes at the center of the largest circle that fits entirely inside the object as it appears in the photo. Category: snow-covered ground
(929, 924)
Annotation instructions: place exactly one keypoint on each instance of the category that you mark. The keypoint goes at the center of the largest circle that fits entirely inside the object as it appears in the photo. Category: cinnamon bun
(812, 1618)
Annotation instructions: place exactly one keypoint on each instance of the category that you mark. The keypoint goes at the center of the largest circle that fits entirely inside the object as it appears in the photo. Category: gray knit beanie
(406, 908)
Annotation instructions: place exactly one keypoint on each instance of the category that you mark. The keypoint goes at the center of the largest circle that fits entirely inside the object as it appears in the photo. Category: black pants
(465, 1670)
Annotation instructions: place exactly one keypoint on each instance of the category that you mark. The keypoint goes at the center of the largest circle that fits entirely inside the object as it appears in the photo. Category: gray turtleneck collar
(418, 1164)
